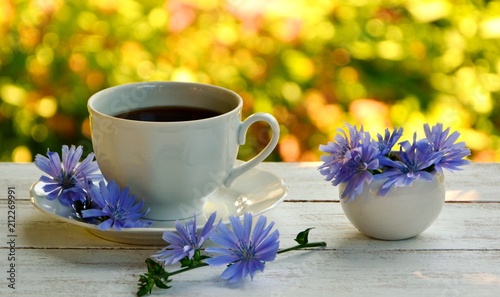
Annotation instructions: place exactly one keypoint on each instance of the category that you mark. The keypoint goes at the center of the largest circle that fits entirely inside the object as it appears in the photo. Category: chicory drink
(168, 114)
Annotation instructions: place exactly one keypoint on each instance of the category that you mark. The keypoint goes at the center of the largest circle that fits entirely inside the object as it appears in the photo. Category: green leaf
(152, 265)
(186, 262)
(302, 237)
(143, 291)
(145, 285)
(162, 285)
(198, 259)
(156, 275)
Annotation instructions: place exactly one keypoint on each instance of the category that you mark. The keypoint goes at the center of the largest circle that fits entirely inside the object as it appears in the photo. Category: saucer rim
(146, 230)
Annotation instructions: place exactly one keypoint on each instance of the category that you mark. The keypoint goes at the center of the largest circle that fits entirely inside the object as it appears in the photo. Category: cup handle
(242, 132)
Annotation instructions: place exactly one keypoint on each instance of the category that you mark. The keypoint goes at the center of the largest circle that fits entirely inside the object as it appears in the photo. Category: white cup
(172, 165)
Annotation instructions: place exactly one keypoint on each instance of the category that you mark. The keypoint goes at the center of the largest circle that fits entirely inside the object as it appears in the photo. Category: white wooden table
(459, 255)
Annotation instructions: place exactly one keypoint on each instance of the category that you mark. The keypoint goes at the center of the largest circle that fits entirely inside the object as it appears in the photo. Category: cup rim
(93, 110)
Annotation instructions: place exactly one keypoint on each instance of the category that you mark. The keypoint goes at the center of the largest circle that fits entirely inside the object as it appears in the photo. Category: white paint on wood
(458, 255)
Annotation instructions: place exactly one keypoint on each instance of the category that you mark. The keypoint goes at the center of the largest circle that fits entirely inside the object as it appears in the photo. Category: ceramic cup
(172, 165)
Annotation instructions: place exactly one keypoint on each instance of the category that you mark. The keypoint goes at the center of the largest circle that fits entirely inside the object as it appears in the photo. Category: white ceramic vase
(402, 213)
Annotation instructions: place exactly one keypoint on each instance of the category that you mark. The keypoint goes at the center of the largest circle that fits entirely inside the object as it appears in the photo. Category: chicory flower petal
(245, 252)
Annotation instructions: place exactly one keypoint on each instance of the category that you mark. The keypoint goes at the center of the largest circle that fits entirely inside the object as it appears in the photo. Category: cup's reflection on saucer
(241, 203)
(173, 144)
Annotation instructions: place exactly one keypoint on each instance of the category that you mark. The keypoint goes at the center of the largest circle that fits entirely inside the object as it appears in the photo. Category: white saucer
(256, 191)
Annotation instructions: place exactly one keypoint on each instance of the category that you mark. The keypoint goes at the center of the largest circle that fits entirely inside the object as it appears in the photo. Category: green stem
(297, 247)
(302, 246)
(187, 269)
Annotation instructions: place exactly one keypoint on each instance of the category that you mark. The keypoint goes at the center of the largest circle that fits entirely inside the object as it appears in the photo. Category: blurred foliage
(313, 64)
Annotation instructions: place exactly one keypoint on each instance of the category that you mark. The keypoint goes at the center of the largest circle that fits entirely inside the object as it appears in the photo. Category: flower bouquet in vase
(387, 193)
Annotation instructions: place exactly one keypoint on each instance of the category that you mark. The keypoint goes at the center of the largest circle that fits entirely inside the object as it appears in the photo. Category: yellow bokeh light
(36, 68)
(129, 9)
(447, 110)
(399, 114)
(491, 81)
(263, 104)
(13, 94)
(143, 31)
(323, 30)
(145, 69)
(442, 82)
(394, 33)
(361, 50)
(468, 26)
(390, 50)
(490, 28)
(291, 92)
(299, 66)
(481, 100)
(86, 19)
(106, 5)
(22, 154)
(47, 107)
(403, 110)
(158, 17)
(265, 45)
(133, 53)
(346, 12)
(475, 140)
(7, 9)
(226, 34)
(183, 74)
(426, 11)
(472, 93)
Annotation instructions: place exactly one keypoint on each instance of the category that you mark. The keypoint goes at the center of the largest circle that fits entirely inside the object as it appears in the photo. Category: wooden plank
(460, 226)
(478, 182)
(18, 175)
(62, 272)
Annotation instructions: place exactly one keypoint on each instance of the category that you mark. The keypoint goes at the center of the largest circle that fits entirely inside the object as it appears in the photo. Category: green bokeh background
(313, 64)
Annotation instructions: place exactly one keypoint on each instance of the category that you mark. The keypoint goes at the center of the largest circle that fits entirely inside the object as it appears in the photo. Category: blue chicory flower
(66, 180)
(245, 252)
(357, 159)
(186, 241)
(415, 161)
(87, 203)
(453, 153)
(337, 150)
(117, 207)
(386, 143)
(358, 168)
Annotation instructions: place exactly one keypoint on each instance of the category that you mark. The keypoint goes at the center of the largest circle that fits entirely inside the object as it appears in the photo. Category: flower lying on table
(243, 251)
(357, 158)
(73, 184)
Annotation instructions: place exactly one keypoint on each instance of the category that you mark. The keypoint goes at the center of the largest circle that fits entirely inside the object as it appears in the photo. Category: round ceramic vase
(402, 213)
